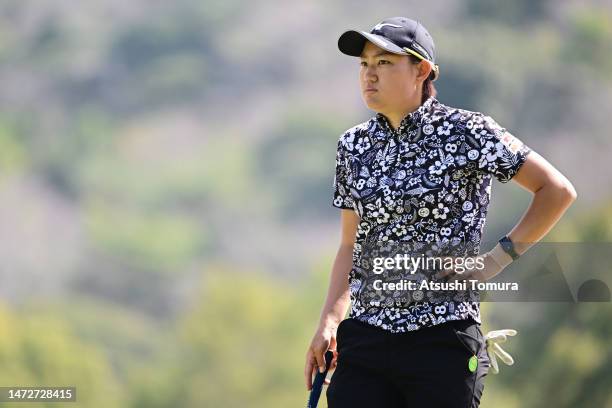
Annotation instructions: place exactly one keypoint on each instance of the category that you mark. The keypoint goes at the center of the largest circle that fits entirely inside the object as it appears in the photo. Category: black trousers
(426, 368)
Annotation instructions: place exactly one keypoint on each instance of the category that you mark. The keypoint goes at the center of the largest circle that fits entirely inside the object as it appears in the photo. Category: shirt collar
(413, 118)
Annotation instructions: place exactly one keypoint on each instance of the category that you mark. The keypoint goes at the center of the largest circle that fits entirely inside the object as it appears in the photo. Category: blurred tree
(42, 350)
(563, 353)
(13, 149)
(296, 162)
(461, 85)
(589, 42)
(508, 12)
(245, 341)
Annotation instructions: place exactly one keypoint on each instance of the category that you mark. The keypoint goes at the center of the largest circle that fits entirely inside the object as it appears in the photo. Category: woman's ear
(424, 69)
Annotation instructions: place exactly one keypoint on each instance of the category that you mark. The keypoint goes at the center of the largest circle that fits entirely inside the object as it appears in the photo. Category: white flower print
(414, 181)
(445, 129)
(362, 144)
(478, 133)
(488, 154)
(441, 211)
(437, 168)
(381, 215)
(399, 230)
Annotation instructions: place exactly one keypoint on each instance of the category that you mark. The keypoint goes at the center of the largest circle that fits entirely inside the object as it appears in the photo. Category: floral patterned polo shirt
(427, 181)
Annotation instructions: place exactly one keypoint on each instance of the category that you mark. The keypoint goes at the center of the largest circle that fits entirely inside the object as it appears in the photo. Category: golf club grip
(317, 384)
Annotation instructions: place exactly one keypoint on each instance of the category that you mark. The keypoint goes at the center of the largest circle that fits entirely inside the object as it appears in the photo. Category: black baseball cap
(399, 35)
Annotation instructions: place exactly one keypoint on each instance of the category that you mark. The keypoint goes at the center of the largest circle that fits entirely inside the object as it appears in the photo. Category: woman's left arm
(552, 195)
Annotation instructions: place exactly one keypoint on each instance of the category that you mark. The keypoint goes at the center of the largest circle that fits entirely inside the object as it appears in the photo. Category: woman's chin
(371, 102)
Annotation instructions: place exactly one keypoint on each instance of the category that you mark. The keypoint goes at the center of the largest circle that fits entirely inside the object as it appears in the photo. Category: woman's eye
(380, 62)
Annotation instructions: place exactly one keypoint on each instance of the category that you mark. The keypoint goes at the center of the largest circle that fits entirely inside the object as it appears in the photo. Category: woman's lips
(370, 90)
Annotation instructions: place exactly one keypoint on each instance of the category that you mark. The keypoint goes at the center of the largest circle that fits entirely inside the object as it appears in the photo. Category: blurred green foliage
(43, 350)
(294, 163)
(519, 12)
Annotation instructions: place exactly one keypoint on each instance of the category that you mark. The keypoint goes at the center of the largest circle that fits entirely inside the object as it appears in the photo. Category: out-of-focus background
(166, 176)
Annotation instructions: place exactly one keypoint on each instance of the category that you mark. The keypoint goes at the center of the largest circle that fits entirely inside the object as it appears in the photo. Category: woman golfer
(418, 172)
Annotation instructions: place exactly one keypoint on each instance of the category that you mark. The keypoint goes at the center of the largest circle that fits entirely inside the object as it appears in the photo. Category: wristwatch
(508, 247)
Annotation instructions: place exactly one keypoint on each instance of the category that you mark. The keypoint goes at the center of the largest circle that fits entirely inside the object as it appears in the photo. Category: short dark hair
(428, 87)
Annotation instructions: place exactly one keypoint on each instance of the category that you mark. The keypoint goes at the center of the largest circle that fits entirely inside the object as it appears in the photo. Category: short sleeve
(342, 196)
(501, 153)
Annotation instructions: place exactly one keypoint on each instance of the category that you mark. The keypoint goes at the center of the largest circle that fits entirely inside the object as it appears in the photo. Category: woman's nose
(370, 73)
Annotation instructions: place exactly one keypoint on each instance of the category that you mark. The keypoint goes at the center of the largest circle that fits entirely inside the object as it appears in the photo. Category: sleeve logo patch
(512, 143)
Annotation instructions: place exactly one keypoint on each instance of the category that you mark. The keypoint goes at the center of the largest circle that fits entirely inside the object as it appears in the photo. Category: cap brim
(352, 42)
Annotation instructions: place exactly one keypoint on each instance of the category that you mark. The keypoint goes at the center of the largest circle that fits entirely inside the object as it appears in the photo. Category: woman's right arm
(337, 301)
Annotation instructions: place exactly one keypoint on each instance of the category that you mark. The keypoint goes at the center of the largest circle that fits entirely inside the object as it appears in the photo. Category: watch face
(508, 246)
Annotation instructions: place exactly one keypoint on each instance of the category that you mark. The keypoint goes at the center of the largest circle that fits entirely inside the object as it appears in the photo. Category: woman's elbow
(559, 190)
(568, 193)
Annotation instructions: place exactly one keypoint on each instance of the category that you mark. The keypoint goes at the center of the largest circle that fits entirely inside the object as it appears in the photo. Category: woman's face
(388, 81)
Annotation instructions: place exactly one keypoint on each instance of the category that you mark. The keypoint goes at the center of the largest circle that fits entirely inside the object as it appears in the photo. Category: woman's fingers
(308, 369)
(450, 272)
(319, 355)
(334, 362)
(332, 343)
(459, 277)
(315, 357)
(444, 273)
(311, 367)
